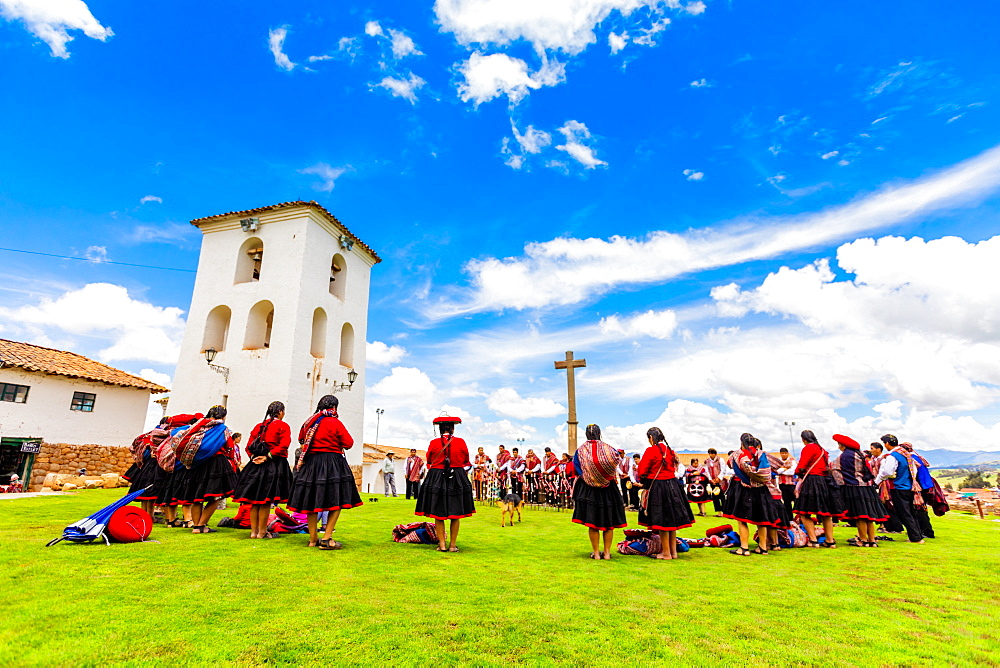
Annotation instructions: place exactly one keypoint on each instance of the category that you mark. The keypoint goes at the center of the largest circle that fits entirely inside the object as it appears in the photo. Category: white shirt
(388, 466)
(887, 468)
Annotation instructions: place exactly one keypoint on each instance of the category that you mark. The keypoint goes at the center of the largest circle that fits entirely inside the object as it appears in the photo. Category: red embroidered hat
(847, 441)
(447, 419)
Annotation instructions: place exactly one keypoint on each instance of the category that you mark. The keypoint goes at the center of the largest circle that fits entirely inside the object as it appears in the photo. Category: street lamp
(378, 419)
(210, 357)
(352, 376)
(791, 439)
(520, 443)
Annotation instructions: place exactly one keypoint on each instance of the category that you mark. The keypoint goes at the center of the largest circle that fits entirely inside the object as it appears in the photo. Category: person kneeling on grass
(597, 503)
(446, 493)
(323, 478)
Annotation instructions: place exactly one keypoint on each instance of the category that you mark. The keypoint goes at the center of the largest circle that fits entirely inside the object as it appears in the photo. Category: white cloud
(554, 25)
(405, 384)
(692, 175)
(647, 36)
(404, 88)
(486, 77)
(945, 285)
(316, 59)
(506, 401)
(402, 45)
(568, 270)
(327, 174)
(576, 133)
(373, 29)
(380, 354)
(617, 42)
(700, 83)
(531, 141)
(831, 154)
(652, 324)
(131, 329)
(96, 254)
(275, 41)
(163, 379)
(151, 198)
(49, 21)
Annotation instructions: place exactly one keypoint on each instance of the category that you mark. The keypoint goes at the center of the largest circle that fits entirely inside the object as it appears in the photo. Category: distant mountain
(945, 459)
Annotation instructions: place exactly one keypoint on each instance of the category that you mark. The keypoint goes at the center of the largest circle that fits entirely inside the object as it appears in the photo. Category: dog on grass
(509, 505)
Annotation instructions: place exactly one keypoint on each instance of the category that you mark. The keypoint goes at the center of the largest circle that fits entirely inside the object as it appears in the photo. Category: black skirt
(818, 497)
(131, 473)
(265, 483)
(598, 507)
(782, 513)
(862, 503)
(147, 476)
(210, 480)
(667, 507)
(165, 488)
(445, 498)
(752, 505)
(324, 482)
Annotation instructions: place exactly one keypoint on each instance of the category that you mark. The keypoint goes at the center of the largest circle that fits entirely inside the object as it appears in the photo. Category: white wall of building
(299, 245)
(118, 417)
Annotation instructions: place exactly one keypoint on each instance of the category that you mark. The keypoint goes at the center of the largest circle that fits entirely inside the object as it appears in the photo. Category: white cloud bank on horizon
(49, 21)
(136, 330)
(568, 270)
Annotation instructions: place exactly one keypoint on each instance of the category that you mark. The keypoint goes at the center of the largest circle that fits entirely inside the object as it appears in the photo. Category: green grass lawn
(521, 595)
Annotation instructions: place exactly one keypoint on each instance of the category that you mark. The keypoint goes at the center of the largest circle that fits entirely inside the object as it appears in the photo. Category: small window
(83, 401)
(16, 393)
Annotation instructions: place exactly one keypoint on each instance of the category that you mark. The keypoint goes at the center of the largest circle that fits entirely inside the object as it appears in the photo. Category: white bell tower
(280, 308)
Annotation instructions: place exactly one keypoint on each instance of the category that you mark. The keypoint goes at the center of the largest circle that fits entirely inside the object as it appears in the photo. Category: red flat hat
(181, 420)
(447, 419)
(847, 441)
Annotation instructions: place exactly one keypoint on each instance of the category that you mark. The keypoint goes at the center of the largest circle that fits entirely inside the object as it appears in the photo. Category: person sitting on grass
(597, 501)
(446, 493)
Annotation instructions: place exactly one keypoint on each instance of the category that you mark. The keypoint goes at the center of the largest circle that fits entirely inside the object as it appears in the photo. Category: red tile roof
(61, 363)
(399, 453)
(288, 205)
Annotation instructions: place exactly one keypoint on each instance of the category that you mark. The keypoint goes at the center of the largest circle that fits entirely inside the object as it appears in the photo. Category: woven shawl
(599, 462)
(310, 436)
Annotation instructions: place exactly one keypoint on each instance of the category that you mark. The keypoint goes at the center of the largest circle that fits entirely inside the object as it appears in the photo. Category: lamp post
(210, 357)
(791, 439)
(520, 444)
(378, 419)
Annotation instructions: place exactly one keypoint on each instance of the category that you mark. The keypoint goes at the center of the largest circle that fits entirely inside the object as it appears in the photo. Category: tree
(976, 480)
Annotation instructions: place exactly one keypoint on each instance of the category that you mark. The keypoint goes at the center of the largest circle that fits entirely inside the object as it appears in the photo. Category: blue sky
(739, 214)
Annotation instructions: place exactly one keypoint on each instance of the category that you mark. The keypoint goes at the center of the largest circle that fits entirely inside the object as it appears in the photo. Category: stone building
(279, 312)
(54, 405)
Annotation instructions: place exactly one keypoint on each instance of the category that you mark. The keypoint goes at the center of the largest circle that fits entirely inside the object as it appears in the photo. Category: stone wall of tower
(298, 248)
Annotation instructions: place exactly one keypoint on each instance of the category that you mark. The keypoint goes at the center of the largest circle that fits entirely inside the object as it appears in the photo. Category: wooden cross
(569, 364)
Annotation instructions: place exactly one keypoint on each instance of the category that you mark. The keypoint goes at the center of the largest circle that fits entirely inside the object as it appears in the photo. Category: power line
(87, 259)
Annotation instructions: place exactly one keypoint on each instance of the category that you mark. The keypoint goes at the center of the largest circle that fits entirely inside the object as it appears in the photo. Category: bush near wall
(65, 458)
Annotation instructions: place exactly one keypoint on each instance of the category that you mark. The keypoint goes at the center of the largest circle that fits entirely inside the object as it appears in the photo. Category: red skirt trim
(774, 525)
(323, 510)
(260, 503)
(865, 517)
(147, 498)
(591, 526)
(838, 516)
(448, 517)
(655, 527)
(208, 499)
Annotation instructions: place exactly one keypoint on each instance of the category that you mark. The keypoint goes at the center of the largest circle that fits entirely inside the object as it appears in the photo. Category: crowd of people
(191, 462)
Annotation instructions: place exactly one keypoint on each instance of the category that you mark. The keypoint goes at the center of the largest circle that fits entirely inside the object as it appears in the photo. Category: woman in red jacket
(816, 500)
(267, 478)
(323, 478)
(446, 493)
(664, 506)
